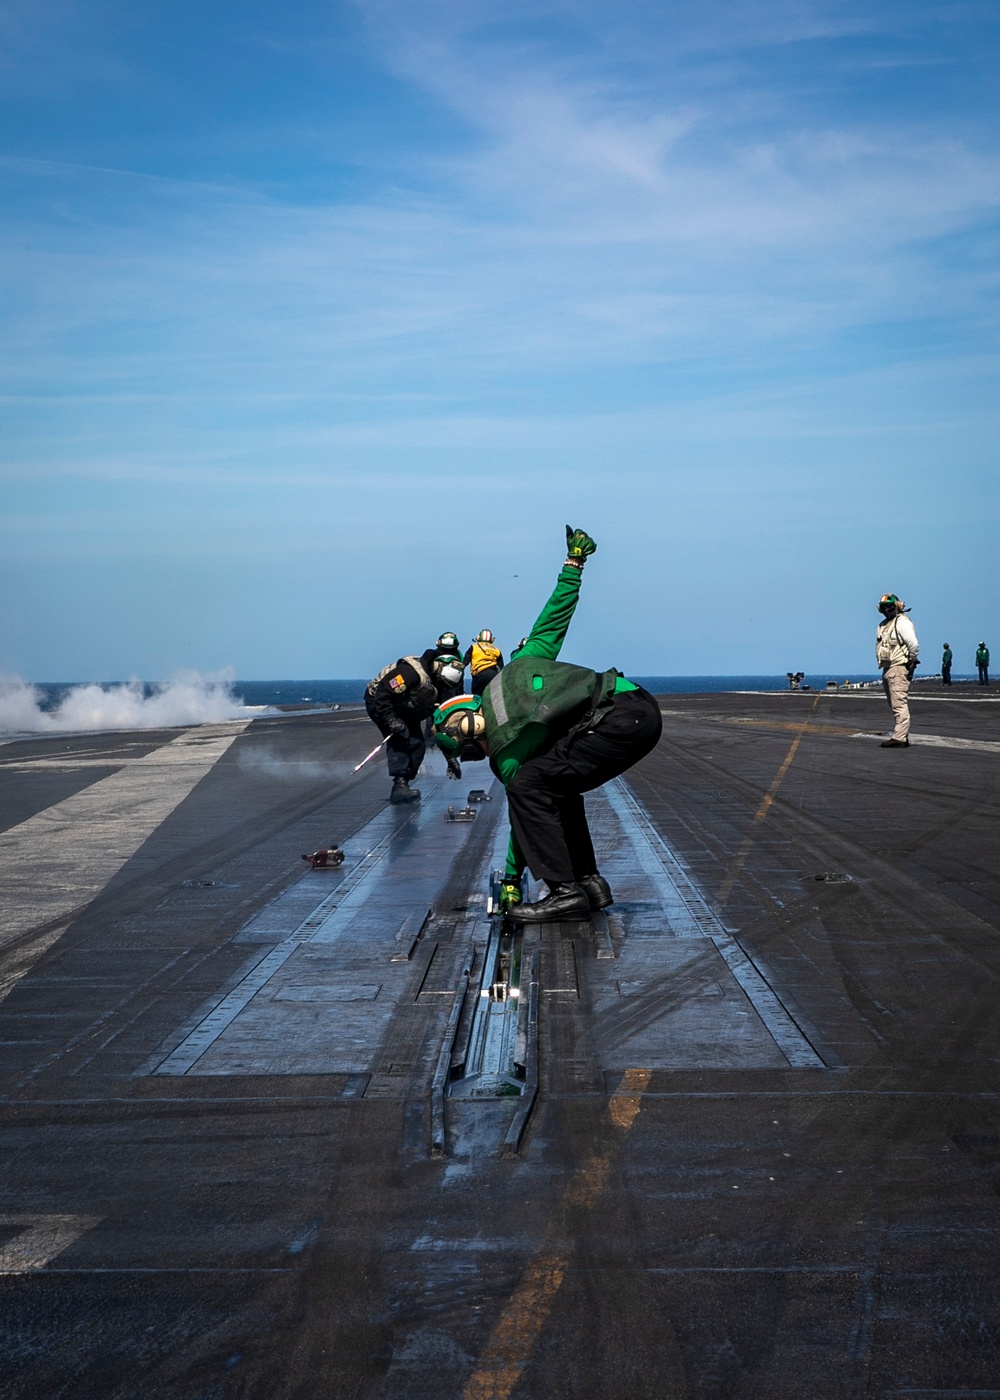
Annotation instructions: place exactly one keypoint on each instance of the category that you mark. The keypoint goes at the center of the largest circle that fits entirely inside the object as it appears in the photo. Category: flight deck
(282, 1131)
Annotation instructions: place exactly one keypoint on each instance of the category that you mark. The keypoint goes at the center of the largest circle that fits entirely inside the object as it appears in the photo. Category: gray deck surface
(765, 1155)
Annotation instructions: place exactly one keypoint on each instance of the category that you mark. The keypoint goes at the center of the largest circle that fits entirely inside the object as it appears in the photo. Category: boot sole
(566, 916)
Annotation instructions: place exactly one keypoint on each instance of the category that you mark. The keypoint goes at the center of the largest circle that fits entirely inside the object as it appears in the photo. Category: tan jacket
(896, 642)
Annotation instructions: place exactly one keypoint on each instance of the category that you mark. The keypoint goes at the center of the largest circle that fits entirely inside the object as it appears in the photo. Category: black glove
(397, 727)
(454, 768)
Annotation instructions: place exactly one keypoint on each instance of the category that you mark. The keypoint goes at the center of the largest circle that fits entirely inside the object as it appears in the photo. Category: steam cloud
(186, 699)
(266, 763)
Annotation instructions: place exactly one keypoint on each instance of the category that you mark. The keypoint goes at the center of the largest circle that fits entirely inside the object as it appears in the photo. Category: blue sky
(320, 321)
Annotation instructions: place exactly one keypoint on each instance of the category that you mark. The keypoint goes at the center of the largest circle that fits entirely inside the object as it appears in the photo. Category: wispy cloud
(560, 236)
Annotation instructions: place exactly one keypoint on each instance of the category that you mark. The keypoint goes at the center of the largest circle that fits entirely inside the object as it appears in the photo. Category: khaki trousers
(896, 684)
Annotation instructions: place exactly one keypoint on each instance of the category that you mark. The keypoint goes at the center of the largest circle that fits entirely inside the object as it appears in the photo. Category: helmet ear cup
(460, 728)
(468, 724)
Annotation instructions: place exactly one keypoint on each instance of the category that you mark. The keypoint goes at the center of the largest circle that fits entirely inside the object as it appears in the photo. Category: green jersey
(535, 691)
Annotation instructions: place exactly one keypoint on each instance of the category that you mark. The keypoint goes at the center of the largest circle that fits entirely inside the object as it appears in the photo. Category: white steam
(265, 763)
(188, 698)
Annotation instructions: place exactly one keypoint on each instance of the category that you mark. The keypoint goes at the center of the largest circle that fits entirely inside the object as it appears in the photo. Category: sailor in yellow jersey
(484, 660)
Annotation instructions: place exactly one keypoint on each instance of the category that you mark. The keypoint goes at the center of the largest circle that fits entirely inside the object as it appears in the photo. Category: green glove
(510, 894)
(579, 546)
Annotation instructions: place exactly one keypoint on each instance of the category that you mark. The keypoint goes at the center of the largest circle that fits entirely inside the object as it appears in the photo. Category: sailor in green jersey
(552, 732)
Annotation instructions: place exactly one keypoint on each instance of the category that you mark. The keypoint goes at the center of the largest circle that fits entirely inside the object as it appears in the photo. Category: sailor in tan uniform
(896, 649)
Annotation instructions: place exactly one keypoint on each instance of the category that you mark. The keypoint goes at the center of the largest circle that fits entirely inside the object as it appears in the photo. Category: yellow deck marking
(513, 1338)
(733, 873)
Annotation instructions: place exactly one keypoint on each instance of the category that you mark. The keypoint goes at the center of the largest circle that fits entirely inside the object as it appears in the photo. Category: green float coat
(534, 690)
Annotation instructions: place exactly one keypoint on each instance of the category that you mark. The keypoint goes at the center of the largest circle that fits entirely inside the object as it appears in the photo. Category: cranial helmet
(485, 635)
(447, 640)
(889, 605)
(459, 726)
(449, 668)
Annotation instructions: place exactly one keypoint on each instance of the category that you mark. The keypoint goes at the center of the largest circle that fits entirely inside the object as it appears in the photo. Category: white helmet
(450, 669)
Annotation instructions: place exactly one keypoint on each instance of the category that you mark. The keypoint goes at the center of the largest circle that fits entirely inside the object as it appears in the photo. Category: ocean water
(351, 692)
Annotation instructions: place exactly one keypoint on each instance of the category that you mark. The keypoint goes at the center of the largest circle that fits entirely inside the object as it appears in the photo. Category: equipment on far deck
(326, 858)
(478, 795)
(460, 814)
(795, 679)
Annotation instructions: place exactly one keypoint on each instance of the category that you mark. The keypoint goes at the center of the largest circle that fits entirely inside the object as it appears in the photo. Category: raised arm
(549, 632)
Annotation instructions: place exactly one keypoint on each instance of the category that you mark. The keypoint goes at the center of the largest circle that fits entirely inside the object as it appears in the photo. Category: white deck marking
(60, 859)
(39, 1239)
(319, 937)
(689, 913)
(942, 741)
(349, 894)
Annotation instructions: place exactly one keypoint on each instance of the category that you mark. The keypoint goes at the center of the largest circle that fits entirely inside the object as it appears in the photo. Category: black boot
(402, 792)
(597, 890)
(895, 743)
(562, 902)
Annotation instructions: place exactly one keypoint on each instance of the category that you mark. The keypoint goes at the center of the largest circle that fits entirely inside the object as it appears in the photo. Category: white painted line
(323, 925)
(61, 858)
(207, 1032)
(942, 741)
(677, 888)
(39, 1239)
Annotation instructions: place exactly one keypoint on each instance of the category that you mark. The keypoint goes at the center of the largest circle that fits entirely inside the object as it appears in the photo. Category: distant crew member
(484, 660)
(399, 699)
(896, 652)
(983, 663)
(447, 646)
(946, 660)
(552, 732)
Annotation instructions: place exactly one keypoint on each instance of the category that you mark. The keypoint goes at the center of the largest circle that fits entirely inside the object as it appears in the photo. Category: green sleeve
(549, 632)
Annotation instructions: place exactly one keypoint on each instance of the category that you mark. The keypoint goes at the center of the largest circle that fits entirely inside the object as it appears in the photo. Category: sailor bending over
(552, 732)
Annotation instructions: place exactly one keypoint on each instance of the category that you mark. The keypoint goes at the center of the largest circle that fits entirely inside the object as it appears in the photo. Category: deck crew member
(399, 699)
(552, 732)
(983, 663)
(447, 648)
(946, 660)
(484, 660)
(896, 650)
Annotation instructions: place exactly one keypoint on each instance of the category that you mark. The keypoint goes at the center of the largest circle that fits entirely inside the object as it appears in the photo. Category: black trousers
(404, 753)
(946, 675)
(481, 681)
(984, 674)
(545, 796)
